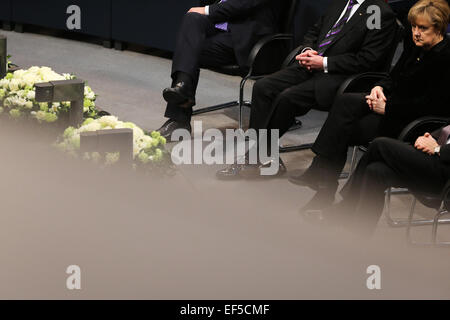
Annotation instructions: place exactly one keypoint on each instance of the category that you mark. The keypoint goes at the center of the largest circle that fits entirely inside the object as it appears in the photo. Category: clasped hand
(426, 143)
(310, 60)
(377, 100)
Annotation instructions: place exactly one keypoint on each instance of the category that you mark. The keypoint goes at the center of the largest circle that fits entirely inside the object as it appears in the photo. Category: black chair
(266, 57)
(356, 83)
(439, 202)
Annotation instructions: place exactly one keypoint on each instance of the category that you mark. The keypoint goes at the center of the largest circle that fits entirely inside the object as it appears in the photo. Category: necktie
(331, 35)
(443, 136)
(222, 26)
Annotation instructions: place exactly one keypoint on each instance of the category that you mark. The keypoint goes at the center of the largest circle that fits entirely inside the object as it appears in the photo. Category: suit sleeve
(434, 98)
(204, 3)
(311, 36)
(445, 153)
(373, 49)
(232, 9)
(388, 82)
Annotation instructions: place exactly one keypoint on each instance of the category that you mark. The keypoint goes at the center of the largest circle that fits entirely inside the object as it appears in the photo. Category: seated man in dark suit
(340, 44)
(221, 33)
(424, 167)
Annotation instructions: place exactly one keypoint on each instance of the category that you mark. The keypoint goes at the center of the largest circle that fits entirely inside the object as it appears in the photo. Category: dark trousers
(199, 44)
(277, 99)
(349, 123)
(389, 163)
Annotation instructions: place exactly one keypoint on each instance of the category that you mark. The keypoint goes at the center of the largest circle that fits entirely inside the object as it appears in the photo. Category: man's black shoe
(180, 95)
(249, 171)
(170, 126)
(304, 178)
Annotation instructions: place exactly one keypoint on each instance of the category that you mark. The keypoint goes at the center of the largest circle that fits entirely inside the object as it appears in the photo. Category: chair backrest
(270, 58)
(288, 10)
(396, 47)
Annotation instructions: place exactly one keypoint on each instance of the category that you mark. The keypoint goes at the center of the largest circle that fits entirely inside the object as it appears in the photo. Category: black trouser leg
(277, 97)
(350, 122)
(199, 44)
(266, 92)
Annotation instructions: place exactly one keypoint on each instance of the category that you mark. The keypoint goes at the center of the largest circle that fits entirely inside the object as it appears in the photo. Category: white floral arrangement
(17, 95)
(146, 148)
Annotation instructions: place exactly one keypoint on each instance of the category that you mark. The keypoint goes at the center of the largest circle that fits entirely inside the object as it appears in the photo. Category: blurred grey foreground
(182, 237)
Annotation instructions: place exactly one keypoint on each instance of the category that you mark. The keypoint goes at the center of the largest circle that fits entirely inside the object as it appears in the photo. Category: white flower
(108, 121)
(137, 133)
(28, 105)
(14, 84)
(4, 83)
(93, 126)
(18, 74)
(31, 95)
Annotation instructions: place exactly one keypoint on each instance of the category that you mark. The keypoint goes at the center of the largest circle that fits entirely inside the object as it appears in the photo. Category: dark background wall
(5, 11)
(152, 23)
(95, 15)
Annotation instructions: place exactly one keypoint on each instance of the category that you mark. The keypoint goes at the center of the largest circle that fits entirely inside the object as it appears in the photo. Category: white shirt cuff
(207, 10)
(325, 64)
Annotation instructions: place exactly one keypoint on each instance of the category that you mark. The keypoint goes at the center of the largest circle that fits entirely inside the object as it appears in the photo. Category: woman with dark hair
(419, 85)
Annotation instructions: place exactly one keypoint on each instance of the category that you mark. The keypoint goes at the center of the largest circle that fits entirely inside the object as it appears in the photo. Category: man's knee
(348, 103)
(260, 87)
(382, 144)
(194, 18)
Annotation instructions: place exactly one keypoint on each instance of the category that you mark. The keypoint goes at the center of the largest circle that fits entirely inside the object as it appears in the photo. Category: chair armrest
(362, 82)
(268, 54)
(290, 59)
(419, 126)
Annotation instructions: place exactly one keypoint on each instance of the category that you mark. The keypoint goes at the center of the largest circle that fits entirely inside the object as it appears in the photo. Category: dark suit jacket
(445, 149)
(356, 49)
(419, 85)
(248, 21)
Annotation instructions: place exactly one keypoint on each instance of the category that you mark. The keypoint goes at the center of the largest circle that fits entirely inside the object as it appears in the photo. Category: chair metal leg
(345, 175)
(353, 163)
(410, 219)
(216, 107)
(241, 100)
(437, 219)
(400, 223)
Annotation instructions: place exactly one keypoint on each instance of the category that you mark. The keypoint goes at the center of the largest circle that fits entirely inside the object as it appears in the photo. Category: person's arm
(388, 82)
(231, 9)
(310, 38)
(372, 52)
(444, 153)
(432, 100)
(204, 3)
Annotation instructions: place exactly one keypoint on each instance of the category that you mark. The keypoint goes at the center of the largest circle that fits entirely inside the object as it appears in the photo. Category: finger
(427, 134)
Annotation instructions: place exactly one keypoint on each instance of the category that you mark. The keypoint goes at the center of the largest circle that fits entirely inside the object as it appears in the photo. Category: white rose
(4, 83)
(14, 84)
(110, 121)
(31, 95)
(137, 133)
(29, 105)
